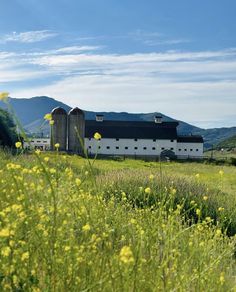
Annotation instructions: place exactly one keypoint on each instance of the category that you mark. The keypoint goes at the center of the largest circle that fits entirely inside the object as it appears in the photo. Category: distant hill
(229, 143)
(31, 111)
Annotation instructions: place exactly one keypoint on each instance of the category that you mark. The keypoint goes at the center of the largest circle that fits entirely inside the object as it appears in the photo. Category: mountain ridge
(31, 111)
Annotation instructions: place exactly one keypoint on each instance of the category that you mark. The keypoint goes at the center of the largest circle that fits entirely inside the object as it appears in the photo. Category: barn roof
(190, 139)
(131, 129)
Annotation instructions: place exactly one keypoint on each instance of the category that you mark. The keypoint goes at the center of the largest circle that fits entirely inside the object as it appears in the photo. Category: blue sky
(176, 57)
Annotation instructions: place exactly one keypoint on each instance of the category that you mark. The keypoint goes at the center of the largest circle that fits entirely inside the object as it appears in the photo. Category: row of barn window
(144, 148)
(117, 139)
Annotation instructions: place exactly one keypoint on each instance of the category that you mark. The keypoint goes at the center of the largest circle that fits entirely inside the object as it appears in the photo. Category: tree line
(8, 135)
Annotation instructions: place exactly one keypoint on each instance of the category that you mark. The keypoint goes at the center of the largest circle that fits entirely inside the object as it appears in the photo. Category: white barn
(141, 139)
(122, 138)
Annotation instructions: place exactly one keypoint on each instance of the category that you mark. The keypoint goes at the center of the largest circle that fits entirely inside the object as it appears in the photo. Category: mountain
(31, 111)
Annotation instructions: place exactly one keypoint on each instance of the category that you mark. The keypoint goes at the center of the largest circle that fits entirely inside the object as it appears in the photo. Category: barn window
(154, 140)
(136, 148)
(99, 147)
(136, 140)
(185, 149)
(117, 139)
(179, 149)
(196, 149)
(117, 147)
(171, 140)
(191, 149)
(153, 148)
(162, 148)
(126, 147)
(108, 147)
(144, 148)
(90, 147)
(171, 148)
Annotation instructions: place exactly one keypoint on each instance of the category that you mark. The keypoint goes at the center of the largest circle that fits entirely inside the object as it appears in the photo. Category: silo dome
(59, 129)
(76, 131)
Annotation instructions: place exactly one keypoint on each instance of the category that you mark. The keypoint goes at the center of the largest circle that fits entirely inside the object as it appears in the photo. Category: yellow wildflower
(48, 117)
(218, 232)
(86, 227)
(133, 221)
(126, 255)
(220, 209)
(51, 122)
(5, 251)
(15, 280)
(198, 212)
(37, 152)
(57, 145)
(18, 145)
(67, 248)
(221, 172)
(197, 175)
(25, 256)
(78, 182)
(97, 136)
(151, 176)
(208, 219)
(147, 190)
(5, 232)
(4, 96)
(205, 198)
(46, 159)
(222, 278)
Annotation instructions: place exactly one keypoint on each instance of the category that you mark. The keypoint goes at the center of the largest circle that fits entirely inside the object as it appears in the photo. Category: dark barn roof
(190, 139)
(131, 129)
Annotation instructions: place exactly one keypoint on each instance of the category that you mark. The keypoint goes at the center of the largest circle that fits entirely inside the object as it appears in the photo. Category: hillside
(227, 143)
(31, 111)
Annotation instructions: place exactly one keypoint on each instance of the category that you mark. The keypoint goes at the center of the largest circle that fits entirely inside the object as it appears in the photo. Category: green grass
(65, 226)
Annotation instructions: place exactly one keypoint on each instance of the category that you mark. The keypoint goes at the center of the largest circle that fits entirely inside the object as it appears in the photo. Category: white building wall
(38, 143)
(130, 147)
(140, 147)
(189, 150)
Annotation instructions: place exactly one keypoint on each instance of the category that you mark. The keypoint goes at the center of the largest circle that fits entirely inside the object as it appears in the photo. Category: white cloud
(28, 36)
(76, 49)
(143, 94)
(186, 85)
(155, 38)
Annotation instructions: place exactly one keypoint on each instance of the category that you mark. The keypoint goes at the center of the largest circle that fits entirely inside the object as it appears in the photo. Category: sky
(174, 57)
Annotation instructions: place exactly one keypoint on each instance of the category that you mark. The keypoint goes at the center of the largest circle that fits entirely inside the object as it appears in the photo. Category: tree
(8, 135)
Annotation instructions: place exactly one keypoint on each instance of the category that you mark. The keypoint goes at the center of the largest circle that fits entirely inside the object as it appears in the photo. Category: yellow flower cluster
(97, 136)
(18, 145)
(126, 255)
(4, 96)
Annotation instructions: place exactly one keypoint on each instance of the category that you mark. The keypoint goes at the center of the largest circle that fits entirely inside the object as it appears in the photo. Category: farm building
(122, 138)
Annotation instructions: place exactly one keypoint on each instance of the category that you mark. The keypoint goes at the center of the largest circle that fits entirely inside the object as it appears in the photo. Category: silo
(59, 129)
(76, 131)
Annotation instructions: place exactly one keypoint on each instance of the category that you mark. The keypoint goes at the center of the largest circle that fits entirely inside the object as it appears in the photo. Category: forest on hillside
(8, 135)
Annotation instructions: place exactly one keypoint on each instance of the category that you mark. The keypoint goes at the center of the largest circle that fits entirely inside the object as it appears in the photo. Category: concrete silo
(59, 129)
(76, 131)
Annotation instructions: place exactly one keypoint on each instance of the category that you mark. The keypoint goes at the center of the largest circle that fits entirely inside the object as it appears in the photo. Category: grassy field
(221, 155)
(69, 224)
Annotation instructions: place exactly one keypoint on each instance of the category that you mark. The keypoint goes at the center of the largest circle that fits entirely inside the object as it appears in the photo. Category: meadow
(72, 224)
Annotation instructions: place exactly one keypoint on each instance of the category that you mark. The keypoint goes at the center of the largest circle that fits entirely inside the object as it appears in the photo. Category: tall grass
(128, 232)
